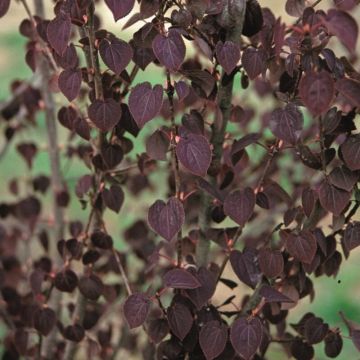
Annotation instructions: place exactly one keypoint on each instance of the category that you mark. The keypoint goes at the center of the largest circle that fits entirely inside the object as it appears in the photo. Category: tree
(221, 165)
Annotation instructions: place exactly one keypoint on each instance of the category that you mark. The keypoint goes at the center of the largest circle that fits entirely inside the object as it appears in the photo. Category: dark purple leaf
(69, 83)
(120, 8)
(287, 123)
(295, 7)
(246, 335)
(69, 60)
(315, 330)
(350, 90)
(228, 55)
(145, 102)
(74, 333)
(346, 5)
(333, 199)
(239, 205)
(21, 338)
(91, 287)
(213, 338)
(333, 344)
(105, 114)
(157, 329)
(66, 281)
(113, 198)
(350, 151)
(169, 50)
(4, 7)
(157, 145)
(166, 219)
(308, 199)
(355, 337)
(136, 309)
(44, 320)
(245, 266)
(271, 262)
(344, 26)
(180, 279)
(301, 246)
(28, 152)
(116, 54)
(180, 319)
(272, 295)
(343, 178)
(58, 32)
(254, 61)
(194, 153)
(317, 91)
(182, 89)
(351, 237)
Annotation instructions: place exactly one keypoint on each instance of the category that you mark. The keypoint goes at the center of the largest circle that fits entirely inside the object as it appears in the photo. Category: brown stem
(122, 272)
(322, 145)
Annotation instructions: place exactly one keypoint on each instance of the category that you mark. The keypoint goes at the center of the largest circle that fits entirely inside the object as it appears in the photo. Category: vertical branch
(235, 16)
(322, 145)
(174, 159)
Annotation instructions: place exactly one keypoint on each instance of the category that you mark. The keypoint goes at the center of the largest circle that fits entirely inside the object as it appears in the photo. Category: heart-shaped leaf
(350, 151)
(271, 262)
(169, 50)
(70, 82)
(113, 198)
(105, 114)
(287, 123)
(194, 153)
(351, 237)
(301, 246)
(246, 335)
(4, 7)
(272, 295)
(180, 319)
(116, 54)
(136, 309)
(145, 102)
(239, 205)
(350, 90)
(343, 178)
(58, 32)
(254, 61)
(180, 279)
(317, 91)
(228, 55)
(333, 199)
(166, 219)
(212, 339)
(120, 8)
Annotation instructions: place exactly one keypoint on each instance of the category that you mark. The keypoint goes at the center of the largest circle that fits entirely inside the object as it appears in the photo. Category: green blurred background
(332, 295)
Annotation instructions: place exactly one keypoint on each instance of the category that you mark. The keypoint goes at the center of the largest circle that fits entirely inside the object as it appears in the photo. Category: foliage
(222, 206)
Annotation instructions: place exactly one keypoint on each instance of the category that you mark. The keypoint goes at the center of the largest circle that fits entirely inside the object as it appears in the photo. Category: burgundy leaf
(213, 338)
(120, 8)
(166, 219)
(350, 90)
(105, 114)
(180, 319)
(136, 309)
(239, 205)
(58, 32)
(4, 7)
(271, 295)
(317, 91)
(66, 281)
(182, 89)
(333, 199)
(350, 151)
(271, 262)
(246, 335)
(333, 344)
(343, 178)
(69, 60)
(180, 279)
(287, 123)
(254, 61)
(315, 330)
(116, 54)
(301, 246)
(295, 7)
(157, 329)
(113, 197)
(308, 201)
(44, 320)
(69, 83)
(351, 237)
(245, 266)
(91, 287)
(157, 145)
(344, 26)
(346, 5)
(169, 50)
(228, 55)
(202, 294)
(145, 102)
(194, 153)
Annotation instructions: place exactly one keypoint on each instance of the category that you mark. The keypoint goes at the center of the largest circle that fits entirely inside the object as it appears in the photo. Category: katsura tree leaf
(213, 338)
(343, 178)
(116, 54)
(239, 205)
(246, 335)
(194, 153)
(350, 90)
(350, 151)
(180, 279)
(120, 8)
(58, 32)
(105, 114)
(180, 319)
(315, 330)
(4, 7)
(271, 262)
(145, 102)
(70, 82)
(136, 309)
(228, 55)
(169, 50)
(254, 61)
(157, 145)
(317, 91)
(272, 295)
(167, 218)
(333, 199)
(351, 238)
(113, 197)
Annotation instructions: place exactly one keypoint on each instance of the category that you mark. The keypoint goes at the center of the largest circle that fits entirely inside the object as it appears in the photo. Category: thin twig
(122, 272)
